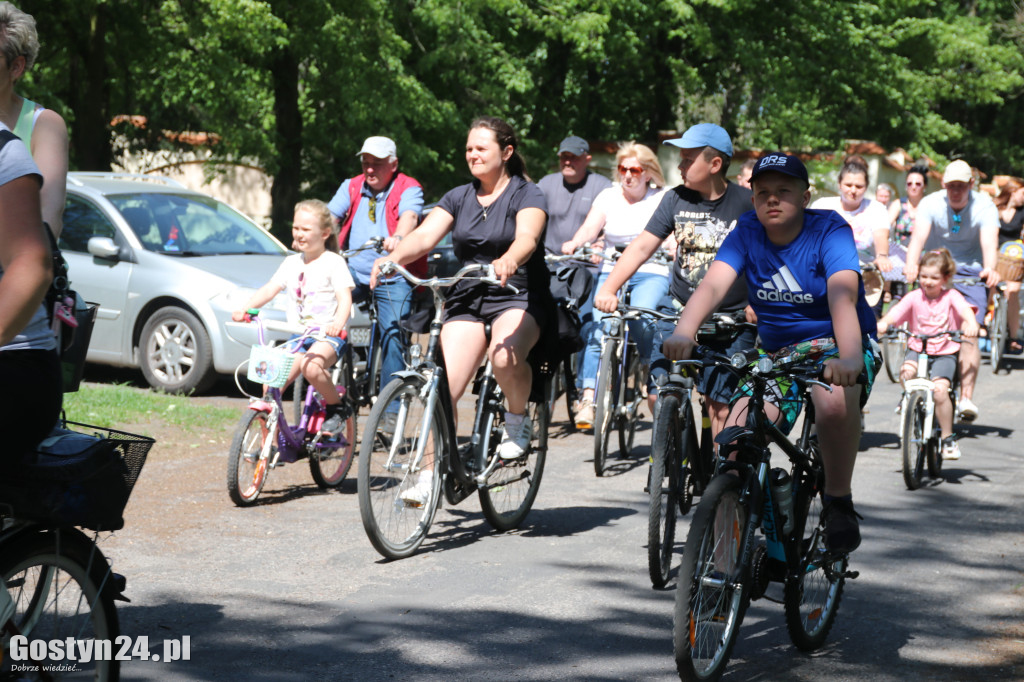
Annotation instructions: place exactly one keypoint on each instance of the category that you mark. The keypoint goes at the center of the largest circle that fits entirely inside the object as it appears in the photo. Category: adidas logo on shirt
(783, 287)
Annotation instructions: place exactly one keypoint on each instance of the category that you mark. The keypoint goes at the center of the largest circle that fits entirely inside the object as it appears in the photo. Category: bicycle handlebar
(375, 243)
(435, 283)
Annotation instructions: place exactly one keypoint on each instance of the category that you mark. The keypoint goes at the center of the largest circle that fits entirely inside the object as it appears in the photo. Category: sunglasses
(372, 209)
(956, 223)
(627, 170)
(298, 289)
(915, 184)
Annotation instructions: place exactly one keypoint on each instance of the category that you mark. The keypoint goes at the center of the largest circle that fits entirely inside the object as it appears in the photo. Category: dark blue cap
(780, 162)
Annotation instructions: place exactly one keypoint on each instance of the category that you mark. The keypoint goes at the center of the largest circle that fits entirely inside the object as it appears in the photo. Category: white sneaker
(968, 410)
(950, 449)
(515, 439)
(419, 494)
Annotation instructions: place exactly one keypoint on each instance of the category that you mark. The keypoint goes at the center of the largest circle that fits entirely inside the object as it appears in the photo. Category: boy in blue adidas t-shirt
(803, 279)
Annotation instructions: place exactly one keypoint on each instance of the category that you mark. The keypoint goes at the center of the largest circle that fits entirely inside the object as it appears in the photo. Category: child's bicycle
(920, 436)
(265, 440)
(725, 565)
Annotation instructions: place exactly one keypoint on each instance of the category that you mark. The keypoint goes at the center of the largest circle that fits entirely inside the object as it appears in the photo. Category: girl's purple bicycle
(264, 439)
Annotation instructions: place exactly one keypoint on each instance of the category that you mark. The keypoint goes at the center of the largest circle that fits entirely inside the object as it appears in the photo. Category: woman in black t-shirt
(497, 219)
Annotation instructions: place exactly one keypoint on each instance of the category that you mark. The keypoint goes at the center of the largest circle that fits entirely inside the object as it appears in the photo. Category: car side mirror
(104, 247)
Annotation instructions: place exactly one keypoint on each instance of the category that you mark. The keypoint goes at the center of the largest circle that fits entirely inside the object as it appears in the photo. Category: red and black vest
(399, 184)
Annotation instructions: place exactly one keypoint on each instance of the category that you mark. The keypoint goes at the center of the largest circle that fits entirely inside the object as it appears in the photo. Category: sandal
(1014, 346)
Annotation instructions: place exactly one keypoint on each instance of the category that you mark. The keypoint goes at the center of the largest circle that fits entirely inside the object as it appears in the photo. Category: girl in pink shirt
(931, 309)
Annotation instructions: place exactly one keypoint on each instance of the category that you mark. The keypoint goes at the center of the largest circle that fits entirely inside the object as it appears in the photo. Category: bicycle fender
(260, 406)
(919, 385)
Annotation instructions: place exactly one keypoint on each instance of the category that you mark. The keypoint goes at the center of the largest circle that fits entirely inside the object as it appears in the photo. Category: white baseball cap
(381, 147)
(958, 171)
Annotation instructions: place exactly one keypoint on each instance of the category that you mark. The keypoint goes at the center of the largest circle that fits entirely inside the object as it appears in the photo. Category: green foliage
(119, 404)
(296, 86)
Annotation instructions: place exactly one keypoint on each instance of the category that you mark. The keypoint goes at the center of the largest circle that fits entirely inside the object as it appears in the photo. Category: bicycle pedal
(852, 575)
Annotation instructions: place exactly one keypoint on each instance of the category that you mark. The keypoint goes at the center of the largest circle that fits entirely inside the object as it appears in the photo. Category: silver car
(166, 265)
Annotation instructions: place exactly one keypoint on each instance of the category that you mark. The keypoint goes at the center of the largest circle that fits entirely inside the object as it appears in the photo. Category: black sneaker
(842, 531)
(335, 421)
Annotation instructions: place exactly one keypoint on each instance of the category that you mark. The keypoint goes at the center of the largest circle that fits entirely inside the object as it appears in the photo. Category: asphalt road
(292, 590)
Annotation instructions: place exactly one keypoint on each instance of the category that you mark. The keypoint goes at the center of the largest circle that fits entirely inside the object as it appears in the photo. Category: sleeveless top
(30, 112)
(904, 223)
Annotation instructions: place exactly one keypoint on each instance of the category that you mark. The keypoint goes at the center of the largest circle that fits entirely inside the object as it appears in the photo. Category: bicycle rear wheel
(915, 441)
(247, 469)
(329, 466)
(663, 489)
(632, 396)
(604, 403)
(512, 487)
(997, 332)
(710, 604)
(893, 351)
(811, 599)
(61, 587)
(395, 527)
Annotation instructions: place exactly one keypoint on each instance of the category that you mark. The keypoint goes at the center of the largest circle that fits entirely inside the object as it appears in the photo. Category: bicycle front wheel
(605, 407)
(396, 520)
(632, 396)
(915, 441)
(710, 598)
(997, 332)
(812, 598)
(61, 587)
(330, 465)
(666, 471)
(247, 468)
(512, 487)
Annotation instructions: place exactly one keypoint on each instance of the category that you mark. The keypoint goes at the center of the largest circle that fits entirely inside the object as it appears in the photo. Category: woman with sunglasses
(903, 212)
(622, 211)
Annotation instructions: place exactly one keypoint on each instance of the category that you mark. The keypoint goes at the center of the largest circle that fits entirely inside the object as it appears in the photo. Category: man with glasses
(380, 202)
(967, 223)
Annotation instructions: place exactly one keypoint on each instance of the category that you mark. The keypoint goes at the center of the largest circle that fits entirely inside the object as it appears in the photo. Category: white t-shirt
(867, 218)
(312, 288)
(625, 221)
(16, 162)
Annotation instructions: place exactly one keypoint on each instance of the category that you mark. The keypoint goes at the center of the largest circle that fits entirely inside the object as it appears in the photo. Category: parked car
(166, 265)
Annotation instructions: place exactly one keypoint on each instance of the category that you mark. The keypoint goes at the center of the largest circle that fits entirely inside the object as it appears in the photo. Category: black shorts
(31, 400)
(486, 304)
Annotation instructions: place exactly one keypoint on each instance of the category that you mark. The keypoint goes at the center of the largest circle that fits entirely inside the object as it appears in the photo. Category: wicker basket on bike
(1010, 265)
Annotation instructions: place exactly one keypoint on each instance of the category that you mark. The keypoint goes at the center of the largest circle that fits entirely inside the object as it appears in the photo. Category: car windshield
(191, 225)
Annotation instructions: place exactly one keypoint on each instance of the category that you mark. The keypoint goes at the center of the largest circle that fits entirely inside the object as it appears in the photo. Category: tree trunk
(284, 192)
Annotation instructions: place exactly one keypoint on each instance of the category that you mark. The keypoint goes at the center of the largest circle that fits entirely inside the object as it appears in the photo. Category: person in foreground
(498, 219)
(932, 309)
(319, 288)
(29, 363)
(803, 279)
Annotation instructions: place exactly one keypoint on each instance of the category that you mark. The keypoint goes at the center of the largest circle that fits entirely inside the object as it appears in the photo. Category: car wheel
(175, 352)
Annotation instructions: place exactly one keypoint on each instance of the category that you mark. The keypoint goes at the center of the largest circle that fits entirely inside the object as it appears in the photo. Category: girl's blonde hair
(647, 158)
(323, 215)
(940, 258)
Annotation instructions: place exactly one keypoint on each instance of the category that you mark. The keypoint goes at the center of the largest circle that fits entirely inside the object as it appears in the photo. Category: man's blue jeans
(393, 301)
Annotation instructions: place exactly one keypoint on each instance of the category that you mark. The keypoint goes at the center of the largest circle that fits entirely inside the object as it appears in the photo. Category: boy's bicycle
(56, 582)
(683, 466)
(920, 436)
(265, 440)
(725, 566)
(424, 432)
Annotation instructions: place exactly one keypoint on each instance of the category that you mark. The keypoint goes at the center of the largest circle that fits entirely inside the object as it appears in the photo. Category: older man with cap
(699, 213)
(380, 202)
(570, 192)
(967, 223)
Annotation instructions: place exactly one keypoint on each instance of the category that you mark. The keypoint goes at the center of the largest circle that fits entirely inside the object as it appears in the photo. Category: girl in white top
(319, 288)
(623, 212)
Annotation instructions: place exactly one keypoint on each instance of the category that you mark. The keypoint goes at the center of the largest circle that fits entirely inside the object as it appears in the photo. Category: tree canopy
(296, 85)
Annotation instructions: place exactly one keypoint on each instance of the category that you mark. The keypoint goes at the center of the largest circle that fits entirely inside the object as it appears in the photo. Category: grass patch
(116, 406)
